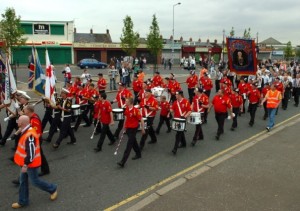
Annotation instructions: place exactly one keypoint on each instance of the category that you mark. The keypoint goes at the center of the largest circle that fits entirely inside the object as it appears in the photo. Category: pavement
(262, 174)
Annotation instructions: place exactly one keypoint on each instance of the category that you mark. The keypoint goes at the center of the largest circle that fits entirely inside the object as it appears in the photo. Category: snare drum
(118, 114)
(194, 118)
(76, 110)
(178, 124)
(145, 124)
(157, 91)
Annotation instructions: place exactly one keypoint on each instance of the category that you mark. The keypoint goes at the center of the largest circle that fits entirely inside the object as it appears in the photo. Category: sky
(192, 18)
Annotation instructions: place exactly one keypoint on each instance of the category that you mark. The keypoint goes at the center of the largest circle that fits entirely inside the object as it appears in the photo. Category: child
(164, 114)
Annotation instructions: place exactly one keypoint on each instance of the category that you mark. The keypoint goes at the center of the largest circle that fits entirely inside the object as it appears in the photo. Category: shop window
(57, 29)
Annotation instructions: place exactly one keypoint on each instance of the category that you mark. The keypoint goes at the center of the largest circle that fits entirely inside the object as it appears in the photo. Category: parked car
(91, 63)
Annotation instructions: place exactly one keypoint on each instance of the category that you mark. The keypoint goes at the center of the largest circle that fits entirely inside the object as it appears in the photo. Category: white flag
(50, 80)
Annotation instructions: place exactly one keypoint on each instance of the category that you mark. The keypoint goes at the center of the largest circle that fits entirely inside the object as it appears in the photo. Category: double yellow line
(168, 179)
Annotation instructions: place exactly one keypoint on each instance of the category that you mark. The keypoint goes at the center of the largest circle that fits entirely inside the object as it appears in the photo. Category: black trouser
(119, 128)
(66, 130)
(180, 138)
(163, 119)
(44, 165)
(11, 126)
(91, 110)
(83, 115)
(265, 110)
(47, 117)
(149, 131)
(198, 135)
(220, 118)
(131, 143)
(252, 110)
(296, 95)
(244, 108)
(173, 98)
(207, 92)
(191, 94)
(135, 98)
(285, 99)
(236, 111)
(56, 123)
(105, 131)
(217, 83)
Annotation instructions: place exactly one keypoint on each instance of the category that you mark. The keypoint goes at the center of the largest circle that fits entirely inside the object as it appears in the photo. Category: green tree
(154, 40)
(297, 52)
(10, 31)
(129, 38)
(288, 51)
(231, 32)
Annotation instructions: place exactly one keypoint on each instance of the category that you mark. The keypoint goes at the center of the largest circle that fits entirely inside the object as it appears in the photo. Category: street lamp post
(173, 32)
(223, 46)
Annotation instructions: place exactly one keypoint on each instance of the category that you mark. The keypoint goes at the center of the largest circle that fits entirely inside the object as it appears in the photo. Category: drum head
(117, 110)
(75, 106)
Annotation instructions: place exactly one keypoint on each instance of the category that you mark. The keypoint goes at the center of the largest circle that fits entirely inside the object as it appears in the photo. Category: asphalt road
(93, 181)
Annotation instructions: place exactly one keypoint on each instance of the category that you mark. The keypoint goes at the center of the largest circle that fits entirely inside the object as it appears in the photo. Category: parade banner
(50, 80)
(241, 56)
(2, 72)
(7, 84)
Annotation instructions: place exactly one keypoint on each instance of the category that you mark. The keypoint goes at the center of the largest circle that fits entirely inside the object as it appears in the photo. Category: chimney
(191, 39)
(181, 39)
(107, 31)
(199, 40)
(207, 40)
(171, 38)
(91, 31)
(216, 41)
(75, 31)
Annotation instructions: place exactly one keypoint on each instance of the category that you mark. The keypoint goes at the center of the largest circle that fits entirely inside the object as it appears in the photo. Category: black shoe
(97, 149)
(204, 122)
(157, 132)
(2, 143)
(71, 142)
(141, 147)
(97, 133)
(55, 146)
(193, 143)
(43, 173)
(136, 157)
(169, 131)
(264, 118)
(13, 149)
(251, 124)
(16, 181)
(75, 129)
(232, 128)
(121, 164)
(48, 140)
(152, 142)
(217, 137)
(268, 129)
(11, 159)
(174, 151)
(111, 143)
(182, 146)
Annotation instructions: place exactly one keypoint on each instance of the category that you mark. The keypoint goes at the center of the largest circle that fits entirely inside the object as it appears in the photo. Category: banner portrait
(241, 56)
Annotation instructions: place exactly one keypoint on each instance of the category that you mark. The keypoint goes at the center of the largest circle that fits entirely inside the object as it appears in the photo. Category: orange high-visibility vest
(21, 154)
(273, 99)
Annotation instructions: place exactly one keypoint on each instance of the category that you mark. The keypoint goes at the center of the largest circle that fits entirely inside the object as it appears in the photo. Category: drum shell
(178, 124)
(76, 110)
(118, 114)
(195, 118)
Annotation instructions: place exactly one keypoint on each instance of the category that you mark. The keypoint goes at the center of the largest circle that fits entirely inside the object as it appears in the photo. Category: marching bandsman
(287, 85)
(254, 99)
(66, 112)
(92, 94)
(122, 94)
(136, 86)
(200, 104)
(296, 89)
(273, 98)
(150, 84)
(263, 94)
(173, 86)
(101, 84)
(48, 114)
(226, 88)
(71, 90)
(141, 94)
(56, 114)
(243, 90)
(82, 98)
(164, 114)
(97, 110)
(207, 84)
(237, 107)
(157, 80)
(181, 108)
(132, 119)
(221, 104)
(191, 81)
(106, 119)
(149, 107)
(225, 80)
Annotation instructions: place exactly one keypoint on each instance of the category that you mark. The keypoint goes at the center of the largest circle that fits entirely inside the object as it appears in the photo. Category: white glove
(6, 119)
(17, 106)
